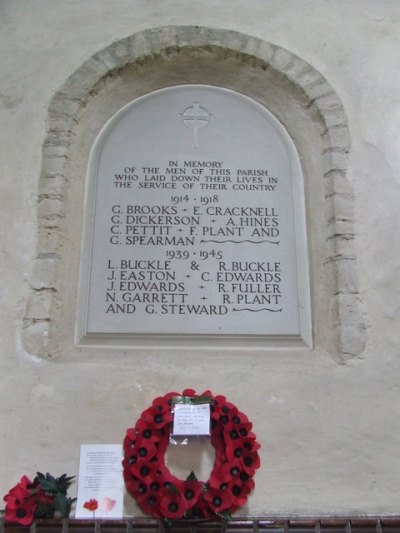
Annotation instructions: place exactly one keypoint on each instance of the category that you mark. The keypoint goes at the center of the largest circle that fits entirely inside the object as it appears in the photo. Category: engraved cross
(195, 117)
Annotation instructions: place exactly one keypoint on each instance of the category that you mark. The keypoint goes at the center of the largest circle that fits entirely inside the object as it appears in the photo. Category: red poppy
(240, 493)
(192, 492)
(143, 451)
(218, 500)
(144, 470)
(239, 448)
(146, 432)
(150, 505)
(20, 511)
(142, 491)
(237, 432)
(157, 416)
(20, 507)
(189, 392)
(201, 510)
(91, 505)
(219, 477)
(250, 462)
(19, 491)
(173, 505)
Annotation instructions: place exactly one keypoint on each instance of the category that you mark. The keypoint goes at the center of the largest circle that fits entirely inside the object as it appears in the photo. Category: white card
(100, 479)
(191, 419)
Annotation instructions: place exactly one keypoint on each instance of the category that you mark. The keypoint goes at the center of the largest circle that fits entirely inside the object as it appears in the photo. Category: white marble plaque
(195, 221)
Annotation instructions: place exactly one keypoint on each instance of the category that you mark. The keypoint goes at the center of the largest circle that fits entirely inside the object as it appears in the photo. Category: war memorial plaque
(195, 220)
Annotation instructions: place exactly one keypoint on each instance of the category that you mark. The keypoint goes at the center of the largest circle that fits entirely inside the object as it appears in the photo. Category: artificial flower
(163, 495)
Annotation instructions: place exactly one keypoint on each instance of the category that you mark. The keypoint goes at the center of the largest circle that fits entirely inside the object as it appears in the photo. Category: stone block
(233, 40)
(335, 116)
(347, 277)
(338, 136)
(36, 337)
(50, 208)
(309, 77)
(139, 45)
(281, 60)
(54, 151)
(266, 51)
(296, 69)
(104, 57)
(81, 82)
(121, 51)
(48, 242)
(251, 47)
(43, 273)
(60, 125)
(335, 160)
(336, 182)
(350, 310)
(326, 102)
(344, 247)
(340, 227)
(344, 206)
(63, 105)
(39, 304)
(319, 89)
(52, 187)
(352, 340)
(53, 165)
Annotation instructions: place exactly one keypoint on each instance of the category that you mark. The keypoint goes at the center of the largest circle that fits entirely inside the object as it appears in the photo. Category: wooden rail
(266, 524)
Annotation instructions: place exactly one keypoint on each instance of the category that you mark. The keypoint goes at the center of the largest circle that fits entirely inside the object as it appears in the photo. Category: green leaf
(191, 400)
(44, 510)
(64, 482)
(192, 477)
(172, 489)
(226, 515)
(61, 504)
(48, 483)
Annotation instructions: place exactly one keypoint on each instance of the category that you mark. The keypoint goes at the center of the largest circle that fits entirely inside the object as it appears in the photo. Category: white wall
(329, 432)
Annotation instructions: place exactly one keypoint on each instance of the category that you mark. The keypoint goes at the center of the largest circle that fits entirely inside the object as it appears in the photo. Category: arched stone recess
(298, 95)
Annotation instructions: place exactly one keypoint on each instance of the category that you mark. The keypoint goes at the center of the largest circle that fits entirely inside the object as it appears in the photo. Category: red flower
(201, 510)
(250, 462)
(20, 507)
(189, 392)
(173, 505)
(150, 505)
(145, 471)
(218, 500)
(143, 452)
(91, 505)
(239, 493)
(239, 449)
(157, 416)
(20, 511)
(146, 433)
(192, 492)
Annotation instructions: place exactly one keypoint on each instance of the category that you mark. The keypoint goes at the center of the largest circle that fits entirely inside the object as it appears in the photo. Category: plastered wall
(328, 426)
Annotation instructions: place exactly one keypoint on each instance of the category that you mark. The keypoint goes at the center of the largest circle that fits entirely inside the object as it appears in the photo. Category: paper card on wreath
(100, 482)
(191, 419)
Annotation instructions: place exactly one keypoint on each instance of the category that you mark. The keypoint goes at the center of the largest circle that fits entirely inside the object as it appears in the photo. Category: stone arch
(257, 68)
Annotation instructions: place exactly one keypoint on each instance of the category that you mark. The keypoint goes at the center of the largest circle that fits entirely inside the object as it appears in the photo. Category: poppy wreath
(161, 494)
